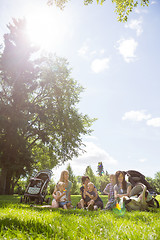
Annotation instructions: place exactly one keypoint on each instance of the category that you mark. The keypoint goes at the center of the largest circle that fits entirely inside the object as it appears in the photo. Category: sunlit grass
(20, 221)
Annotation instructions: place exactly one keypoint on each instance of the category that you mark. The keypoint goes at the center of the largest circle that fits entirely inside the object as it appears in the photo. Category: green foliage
(51, 187)
(23, 222)
(122, 7)
(103, 181)
(40, 125)
(20, 187)
(17, 76)
(155, 183)
(91, 175)
(72, 178)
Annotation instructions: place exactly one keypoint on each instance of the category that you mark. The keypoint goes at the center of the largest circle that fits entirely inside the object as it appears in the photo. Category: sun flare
(47, 27)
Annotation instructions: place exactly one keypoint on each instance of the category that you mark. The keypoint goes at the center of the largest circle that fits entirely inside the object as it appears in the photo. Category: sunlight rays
(47, 27)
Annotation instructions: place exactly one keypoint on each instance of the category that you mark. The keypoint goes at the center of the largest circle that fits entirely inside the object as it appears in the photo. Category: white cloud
(83, 50)
(94, 154)
(99, 65)
(153, 2)
(140, 10)
(102, 51)
(154, 122)
(135, 24)
(136, 116)
(142, 160)
(127, 48)
(91, 157)
(93, 53)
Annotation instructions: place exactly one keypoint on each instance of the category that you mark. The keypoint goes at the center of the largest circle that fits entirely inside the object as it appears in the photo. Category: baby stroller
(37, 188)
(135, 177)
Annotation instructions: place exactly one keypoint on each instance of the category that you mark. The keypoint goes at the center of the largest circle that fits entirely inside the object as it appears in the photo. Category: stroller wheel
(154, 203)
(47, 200)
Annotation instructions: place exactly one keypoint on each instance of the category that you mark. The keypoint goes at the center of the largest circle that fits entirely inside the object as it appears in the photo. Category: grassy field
(20, 221)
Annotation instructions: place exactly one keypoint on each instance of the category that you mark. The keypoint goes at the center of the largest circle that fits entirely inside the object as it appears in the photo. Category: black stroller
(37, 188)
(135, 177)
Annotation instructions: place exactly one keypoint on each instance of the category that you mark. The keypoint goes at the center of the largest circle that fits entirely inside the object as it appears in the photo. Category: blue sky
(118, 64)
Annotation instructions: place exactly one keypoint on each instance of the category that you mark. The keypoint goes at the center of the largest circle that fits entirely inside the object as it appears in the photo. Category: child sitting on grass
(109, 189)
(93, 204)
(89, 195)
(61, 195)
(85, 199)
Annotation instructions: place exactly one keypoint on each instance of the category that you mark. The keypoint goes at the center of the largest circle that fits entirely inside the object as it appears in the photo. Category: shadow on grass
(27, 226)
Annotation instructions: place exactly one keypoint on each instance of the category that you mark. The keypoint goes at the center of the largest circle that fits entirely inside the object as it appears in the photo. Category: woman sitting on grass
(67, 184)
(122, 188)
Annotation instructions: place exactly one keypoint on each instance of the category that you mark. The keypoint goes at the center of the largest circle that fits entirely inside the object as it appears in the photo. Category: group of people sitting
(118, 191)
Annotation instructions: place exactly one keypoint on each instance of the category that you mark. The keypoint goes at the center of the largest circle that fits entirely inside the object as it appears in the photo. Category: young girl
(122, 188)
(61, 197)
(109, 189)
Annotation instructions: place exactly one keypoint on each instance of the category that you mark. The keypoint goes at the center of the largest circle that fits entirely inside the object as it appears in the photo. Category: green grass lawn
(20, 221)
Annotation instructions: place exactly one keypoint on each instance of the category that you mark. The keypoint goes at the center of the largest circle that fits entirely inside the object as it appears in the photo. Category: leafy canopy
(40, 124)
(122, 7)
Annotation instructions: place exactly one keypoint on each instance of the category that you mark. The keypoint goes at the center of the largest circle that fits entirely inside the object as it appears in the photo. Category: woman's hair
(84, 178)
(112, 175)
(62, 175)
(60, 180)
(124, 185)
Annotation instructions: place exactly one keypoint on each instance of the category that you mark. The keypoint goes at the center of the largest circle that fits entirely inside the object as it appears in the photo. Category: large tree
(122, 7)
(40, 125)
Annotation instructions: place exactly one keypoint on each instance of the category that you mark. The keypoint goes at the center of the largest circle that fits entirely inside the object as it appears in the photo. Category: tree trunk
(8, 183)
(3, 178)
